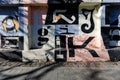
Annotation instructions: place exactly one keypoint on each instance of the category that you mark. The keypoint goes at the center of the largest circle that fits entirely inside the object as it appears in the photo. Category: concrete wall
(84, 32)
(9, 2)
(65, 33)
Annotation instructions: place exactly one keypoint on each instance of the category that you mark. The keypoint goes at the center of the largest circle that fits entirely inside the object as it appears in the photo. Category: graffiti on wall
(9, 22)
(112, 31)
(87, 45)
(62, 14)
(74, 32)
(43, 37)
(66, 29)
(114, 22)
(10, 30)
(63, 1)
(89, 18)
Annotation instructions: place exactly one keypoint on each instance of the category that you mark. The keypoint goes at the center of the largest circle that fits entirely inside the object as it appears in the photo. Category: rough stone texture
(37, 54)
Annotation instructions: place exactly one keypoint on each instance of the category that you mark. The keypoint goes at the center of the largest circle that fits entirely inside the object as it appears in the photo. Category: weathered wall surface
(83, 32)
(9, 2)
(11, 28)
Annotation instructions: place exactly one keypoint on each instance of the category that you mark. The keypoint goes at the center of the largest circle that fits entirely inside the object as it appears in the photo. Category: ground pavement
(59, 71)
